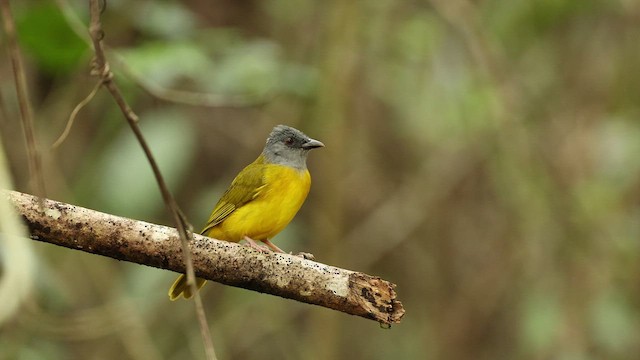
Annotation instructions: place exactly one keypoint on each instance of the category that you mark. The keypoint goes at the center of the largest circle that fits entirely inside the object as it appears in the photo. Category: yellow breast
(285, 190)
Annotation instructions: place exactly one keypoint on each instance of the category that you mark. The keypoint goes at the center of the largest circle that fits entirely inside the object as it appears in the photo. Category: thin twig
(74, 113)
(101, 69)
(26, 116)
(284, 275)
(4, 114)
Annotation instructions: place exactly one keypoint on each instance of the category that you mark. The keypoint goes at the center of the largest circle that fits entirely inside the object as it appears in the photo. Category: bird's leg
(252, 244)
(273, 246)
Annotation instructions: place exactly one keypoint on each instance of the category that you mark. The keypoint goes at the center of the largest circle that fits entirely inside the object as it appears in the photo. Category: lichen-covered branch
(136, 241)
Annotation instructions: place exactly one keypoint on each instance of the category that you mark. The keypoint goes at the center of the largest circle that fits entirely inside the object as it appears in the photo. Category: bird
(262, 199)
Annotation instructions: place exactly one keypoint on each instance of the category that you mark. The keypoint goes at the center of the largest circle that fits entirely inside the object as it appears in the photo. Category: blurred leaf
(251, 68)
(218, 40)
(298, 79)
(235, 67)
(541, 321)
(616, 155)
(617, 151)
(613, 323)
(43, 348)
(288, 12)
(254, 68)
(521, 23)
(418, 36)
(165, 63)
(168, 20)
(200, 209)
(128, 186)
(140, 281)
(44, 33)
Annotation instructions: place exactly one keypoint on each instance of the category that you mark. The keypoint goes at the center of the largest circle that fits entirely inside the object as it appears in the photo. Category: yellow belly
(271, 211)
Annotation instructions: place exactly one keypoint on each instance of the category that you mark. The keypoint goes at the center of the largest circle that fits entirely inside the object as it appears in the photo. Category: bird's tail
(180, 287)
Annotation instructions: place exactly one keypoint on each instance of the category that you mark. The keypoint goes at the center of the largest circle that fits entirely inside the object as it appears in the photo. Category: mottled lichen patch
(53, 213)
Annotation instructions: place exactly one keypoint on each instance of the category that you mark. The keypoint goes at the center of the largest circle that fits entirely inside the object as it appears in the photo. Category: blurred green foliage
(170, 138)
(46, 36)
(484, 156)
(167, 63)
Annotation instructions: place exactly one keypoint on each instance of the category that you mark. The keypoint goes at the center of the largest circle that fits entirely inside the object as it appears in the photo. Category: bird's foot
(273, 248)
(252, 244)
(305, 255)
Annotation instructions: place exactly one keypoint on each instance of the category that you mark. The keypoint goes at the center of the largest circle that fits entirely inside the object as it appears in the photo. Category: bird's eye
(288, 141)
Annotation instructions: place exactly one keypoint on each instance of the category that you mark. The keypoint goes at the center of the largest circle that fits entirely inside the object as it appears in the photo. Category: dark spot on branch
(366, 293)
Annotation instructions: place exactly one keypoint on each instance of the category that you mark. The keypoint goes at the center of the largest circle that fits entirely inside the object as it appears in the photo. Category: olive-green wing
(244, 188)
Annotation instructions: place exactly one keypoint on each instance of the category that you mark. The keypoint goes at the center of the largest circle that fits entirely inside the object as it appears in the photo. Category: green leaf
(45, 35)
(167, 20)
(164, 63)
(252, 68)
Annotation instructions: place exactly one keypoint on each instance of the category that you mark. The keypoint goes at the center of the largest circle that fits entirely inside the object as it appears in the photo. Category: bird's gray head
(288, 146)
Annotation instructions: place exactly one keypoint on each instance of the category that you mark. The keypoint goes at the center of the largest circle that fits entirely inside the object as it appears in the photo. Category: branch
(228, 263)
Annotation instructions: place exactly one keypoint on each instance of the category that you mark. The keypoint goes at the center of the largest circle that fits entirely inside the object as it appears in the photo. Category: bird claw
(305, 255)
(270, 247)
(252, 244)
